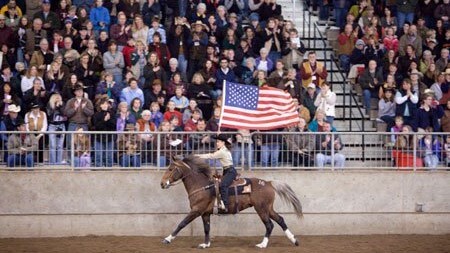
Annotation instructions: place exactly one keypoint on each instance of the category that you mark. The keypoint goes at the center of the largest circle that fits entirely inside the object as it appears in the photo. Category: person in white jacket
(326, 101)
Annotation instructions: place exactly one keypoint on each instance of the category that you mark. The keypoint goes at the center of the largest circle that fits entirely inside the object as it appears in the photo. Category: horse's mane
(199, 165)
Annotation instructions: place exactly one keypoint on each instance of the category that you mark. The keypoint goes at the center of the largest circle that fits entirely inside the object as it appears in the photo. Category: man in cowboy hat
(223, 154)
(9, 124)
(21, 146)
(78, 110)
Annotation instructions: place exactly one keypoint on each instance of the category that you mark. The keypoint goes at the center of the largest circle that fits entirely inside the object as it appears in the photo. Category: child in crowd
(397, 128)
(156, 115)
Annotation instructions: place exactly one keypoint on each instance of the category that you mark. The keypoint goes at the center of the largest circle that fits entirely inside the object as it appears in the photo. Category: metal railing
(258, 150)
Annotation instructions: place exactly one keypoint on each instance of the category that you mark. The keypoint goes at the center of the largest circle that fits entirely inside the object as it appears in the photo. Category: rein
(203, 188)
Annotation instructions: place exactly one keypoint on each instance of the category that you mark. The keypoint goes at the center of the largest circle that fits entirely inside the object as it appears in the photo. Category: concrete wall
(65, 203)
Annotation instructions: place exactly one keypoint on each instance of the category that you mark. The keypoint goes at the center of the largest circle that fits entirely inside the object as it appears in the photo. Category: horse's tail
(288, 195)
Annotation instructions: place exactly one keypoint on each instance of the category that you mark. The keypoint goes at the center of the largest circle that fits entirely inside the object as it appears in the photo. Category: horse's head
(174, 172)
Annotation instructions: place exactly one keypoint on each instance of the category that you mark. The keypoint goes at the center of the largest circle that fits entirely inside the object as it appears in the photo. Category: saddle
(238, 187)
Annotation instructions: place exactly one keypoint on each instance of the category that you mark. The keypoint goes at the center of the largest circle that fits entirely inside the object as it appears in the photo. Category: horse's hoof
(204, 245)
(165, 241)
(261, 246)
(296, 243)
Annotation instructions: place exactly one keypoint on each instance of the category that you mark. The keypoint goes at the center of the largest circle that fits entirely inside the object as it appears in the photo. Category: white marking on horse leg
(290, 236)
(204, 245)
(169, 238)
(263, 244)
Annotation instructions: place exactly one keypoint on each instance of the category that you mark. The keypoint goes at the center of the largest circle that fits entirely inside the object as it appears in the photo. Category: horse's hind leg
(264, 215)
(206, 226)
(279, 219)
(190, 217)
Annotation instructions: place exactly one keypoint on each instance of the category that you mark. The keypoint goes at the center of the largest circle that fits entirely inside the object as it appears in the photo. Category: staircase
(361, 151)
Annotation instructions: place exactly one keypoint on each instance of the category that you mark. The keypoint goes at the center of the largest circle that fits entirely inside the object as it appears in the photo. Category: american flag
(254, 108)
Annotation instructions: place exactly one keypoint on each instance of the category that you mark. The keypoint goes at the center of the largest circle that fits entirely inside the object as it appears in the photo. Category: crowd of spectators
(397, 53)
(145, 66)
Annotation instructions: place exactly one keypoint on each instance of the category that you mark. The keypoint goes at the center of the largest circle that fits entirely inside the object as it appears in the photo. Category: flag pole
(224, 91)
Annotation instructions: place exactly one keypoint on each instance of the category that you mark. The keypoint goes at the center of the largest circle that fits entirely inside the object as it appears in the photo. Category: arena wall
(66, 203)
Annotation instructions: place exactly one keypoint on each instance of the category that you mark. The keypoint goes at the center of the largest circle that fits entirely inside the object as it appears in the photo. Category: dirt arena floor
(315, 244)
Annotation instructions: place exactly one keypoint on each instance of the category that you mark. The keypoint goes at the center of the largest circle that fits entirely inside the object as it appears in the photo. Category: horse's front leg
(188, 219)
(206, 227)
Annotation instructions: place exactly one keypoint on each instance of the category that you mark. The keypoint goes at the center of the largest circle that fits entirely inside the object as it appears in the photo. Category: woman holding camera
(56, 123)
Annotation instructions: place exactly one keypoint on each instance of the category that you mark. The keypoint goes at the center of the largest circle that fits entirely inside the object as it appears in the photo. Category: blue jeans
(182, 64)
(182, 5)
(104, 152)
(274, 56)
(340, 15)
(344, 61)
(324, 11)
(56, 147)
(404, 16)
(248, 154)
(321, 160)
(20, 160)
(118, 78)
(215, 94)
(367, 94)
(272, 151)
(330, 119)
(82, 161)
(130, 160)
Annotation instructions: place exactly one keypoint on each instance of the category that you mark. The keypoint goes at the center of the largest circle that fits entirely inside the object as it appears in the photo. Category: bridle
(185, 175)
(177, 169)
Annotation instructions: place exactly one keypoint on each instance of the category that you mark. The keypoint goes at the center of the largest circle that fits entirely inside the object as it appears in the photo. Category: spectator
(69, 85)
(263, 62)
(430, 149)
(309, 97)
(121, 32)
(371, 81)
(156, 114)
(224, 73)
(147, 128)
(156, 27)
(78, 110)
(447, 150)
(109, 88)
(113, 61)
(42, 58)
(198, 140)
(390, 40)
(346, 43)
(124, 117)
(70, 55)
(131, 92)
(200, 92)
(84, 71)
(138, 61)
(6, 31)
(429, 113)
(152, 71)
(54, 78)
(56, 123)
(7, 98)
(160, 48)
(213, 123)
(405, 12)
(100, 17)
(313, 71)
(82, 148)
(388, 20)
(136, 108)
(328, 146)
(150, 9)
(442, 62)
(405, 147)
(404, 61)
(139, 30)
(275, 78)
(411, 38)
(191, 124)
(270, 147)
(21, 146)
(181, 102)
(291, 85)
(386, 108)
(28, 80)
(36, 95)
(50, 20)
(36, 121)
(171, 111)
(406, 104)
(417, 86)
(326, 101)
(193, 106)
(129, 147)
(175, 82)
(104, 120)
(300, 145)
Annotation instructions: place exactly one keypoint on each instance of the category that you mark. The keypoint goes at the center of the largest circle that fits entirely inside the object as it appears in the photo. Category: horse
(197, 178)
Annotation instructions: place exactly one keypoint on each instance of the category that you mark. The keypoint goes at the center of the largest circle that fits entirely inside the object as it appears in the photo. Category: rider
(223, 153)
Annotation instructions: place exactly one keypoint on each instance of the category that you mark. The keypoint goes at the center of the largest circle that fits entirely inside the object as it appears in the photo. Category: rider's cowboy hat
(222, 138)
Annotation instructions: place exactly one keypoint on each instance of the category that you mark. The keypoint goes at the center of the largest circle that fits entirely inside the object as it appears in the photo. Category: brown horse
(196, 177)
